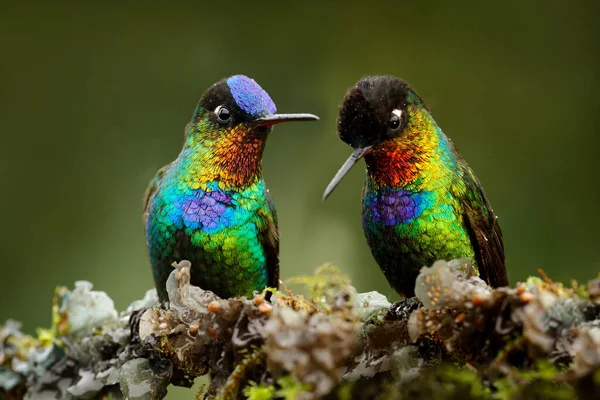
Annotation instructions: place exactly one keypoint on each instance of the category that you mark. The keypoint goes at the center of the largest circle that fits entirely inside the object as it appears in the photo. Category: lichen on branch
(458, 337)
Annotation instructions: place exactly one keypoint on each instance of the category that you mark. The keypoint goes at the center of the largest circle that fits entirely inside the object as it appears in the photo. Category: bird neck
(232, 157)
(420, 158)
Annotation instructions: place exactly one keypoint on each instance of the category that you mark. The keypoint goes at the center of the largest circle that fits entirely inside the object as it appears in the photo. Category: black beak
(356, 155)
(279, 118)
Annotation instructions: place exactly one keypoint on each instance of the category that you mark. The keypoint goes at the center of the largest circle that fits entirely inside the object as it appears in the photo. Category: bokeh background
(94, 99)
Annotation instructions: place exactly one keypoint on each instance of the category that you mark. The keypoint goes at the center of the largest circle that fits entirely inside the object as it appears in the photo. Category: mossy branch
(458, 337)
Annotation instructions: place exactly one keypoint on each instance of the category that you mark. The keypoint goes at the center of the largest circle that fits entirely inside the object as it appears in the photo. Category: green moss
(508, 389)
(324, 285)
(290, 388)
(534, 281)
(254, 358)
(201, 392)
(60, 321)
(271, 290)
(256, 391)
(446, 382)
(455, 379)
(537, 383)
(580, 290)
(345, 391)
(544, 370)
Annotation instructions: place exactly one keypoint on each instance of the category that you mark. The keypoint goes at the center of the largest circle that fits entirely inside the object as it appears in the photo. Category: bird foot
(401, 310)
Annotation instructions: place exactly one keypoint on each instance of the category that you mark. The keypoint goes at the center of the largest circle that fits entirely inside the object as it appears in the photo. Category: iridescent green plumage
(210, 205)
(421, 201)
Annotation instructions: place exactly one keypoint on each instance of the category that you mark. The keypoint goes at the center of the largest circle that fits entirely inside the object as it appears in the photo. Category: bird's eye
(223, 114)
(395, 119)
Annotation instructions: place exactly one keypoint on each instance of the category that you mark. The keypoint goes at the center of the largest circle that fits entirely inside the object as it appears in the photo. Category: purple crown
(250, 97)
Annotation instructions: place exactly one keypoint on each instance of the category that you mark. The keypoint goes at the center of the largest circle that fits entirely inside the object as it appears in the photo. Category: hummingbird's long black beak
(355, 157)
(279, 118)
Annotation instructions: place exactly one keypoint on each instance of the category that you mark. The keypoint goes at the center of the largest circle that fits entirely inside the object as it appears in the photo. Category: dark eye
(223, 114)
(395, 119)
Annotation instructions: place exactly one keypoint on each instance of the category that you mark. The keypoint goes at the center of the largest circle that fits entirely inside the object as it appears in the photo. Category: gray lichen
(310, 347)
(137, 380)
(78, 357)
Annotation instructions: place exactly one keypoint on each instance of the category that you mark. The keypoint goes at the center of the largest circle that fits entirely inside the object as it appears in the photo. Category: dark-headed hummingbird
(421, 200)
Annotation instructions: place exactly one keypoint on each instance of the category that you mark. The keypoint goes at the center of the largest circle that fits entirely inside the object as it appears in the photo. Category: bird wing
(151, 191)
(270, 242)
(483, 228)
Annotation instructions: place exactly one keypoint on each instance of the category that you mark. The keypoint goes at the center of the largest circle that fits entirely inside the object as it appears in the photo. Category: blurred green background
(95, 97)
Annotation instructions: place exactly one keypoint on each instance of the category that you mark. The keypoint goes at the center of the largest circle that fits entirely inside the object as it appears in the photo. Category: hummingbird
(210, 205)
(421, 201)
